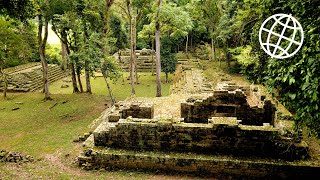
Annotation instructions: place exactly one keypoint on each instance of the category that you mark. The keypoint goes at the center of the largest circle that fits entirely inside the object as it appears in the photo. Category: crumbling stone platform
(224, 103)
(99, 158)
(221, 135)
(199, 133)
(145, 60)
(29, 77)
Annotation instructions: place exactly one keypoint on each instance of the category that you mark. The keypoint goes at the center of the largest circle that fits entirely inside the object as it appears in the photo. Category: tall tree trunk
(42, 47)
(191, 40)
(212, 50)
(71, 63)
(109, 88)
(88, 84)
(86, 63)
(64, 56)
(74, 79)
(187, 43)
(79, 78)
(132, 54)
(5, 82)
(108, 4)
(158, 62)
(106, 29)
(152, 58)
(134, 46)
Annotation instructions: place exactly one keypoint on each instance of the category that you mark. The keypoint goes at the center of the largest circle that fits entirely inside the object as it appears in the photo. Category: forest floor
(46, 130)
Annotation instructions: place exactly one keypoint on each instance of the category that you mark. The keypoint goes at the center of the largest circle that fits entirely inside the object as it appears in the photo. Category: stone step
(21, 67)
(38, 85)
(229, 166)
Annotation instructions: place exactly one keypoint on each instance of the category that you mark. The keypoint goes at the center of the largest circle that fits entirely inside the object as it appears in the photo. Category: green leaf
(291, 81)
(292, 96)
(315, 97)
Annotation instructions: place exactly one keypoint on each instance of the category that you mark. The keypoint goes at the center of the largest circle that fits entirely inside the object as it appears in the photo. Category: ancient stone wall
(145, 60)
(132, 109)
(220, 136)
(224, 103)
(201, 164)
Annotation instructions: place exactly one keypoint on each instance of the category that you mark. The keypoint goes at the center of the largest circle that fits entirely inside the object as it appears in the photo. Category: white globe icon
(281, 36)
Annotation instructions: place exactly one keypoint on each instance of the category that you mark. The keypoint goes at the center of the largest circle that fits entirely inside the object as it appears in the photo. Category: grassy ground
(45, 130)
(121, 88)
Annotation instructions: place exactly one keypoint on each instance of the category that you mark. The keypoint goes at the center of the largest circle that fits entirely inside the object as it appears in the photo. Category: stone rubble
(15, 157)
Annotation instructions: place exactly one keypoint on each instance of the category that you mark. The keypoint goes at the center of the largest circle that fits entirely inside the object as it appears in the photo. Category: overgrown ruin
(29, 77)
(145, 61)
(231, 130)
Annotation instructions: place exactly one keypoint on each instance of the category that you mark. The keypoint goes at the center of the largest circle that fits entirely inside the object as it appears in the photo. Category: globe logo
(281, 36)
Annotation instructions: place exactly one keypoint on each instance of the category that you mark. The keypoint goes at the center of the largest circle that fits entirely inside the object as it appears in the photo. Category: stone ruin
(136, 110)
(224, 103)
(29, 77)
(145, 60)
(223, 123)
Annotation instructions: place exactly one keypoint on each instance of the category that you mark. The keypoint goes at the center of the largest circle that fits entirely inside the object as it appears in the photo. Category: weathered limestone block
(197, 163)
(145, 60)
(222, 135)
(223, 103)
(114, 117)
(138, 110)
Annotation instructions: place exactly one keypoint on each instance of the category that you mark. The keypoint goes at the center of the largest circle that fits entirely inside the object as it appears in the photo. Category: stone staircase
(145, 60)
(144, 63)
(187, 64)
(24, 79)
(22, 67)
(190, 81)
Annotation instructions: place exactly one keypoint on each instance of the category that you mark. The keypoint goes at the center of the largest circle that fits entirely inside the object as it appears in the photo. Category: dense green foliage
(168, 59)
(296, 79)
(120, 38)
(20, 10)
(17, 42)
(17, 34)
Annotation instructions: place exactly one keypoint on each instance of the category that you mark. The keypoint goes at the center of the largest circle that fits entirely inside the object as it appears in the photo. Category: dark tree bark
(79, 78)
(158, 62)
(88, 83)
(86, 64)
(74, 79)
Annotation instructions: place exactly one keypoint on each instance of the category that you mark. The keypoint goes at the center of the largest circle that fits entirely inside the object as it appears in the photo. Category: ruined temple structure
(233, 130)
(145, 60)
(29, 77)
(230, 101)
(219, 129)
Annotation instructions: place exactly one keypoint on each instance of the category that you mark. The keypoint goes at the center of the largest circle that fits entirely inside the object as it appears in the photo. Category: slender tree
(43, 19)
(158, 62)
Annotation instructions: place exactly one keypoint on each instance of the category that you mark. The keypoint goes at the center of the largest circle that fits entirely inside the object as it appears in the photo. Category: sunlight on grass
(43, 127)
(121, 89)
